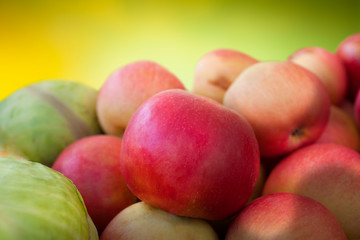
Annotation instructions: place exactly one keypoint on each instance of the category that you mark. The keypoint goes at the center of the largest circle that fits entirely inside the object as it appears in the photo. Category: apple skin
(356, 109)
(349, 53)
(328, 173)
(287, 106)
(127, 88)
(190, 156)
(285, 216)
(216, 71)
(145, 222)
(327, 67)
(340, 129)
(92, 164)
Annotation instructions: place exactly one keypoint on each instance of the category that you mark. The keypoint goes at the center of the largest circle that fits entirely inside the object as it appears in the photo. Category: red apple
(127, 88)
(328, 173)
(357, 109)
(190, 156)
(340, 129)
(348, 107)
(349, 53)
(216, 71)
(285, 216)
(141, 221)
(287, 106)
(327, 67)
(93, 164)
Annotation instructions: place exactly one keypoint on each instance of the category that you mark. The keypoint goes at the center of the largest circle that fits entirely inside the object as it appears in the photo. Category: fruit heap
(256, 150)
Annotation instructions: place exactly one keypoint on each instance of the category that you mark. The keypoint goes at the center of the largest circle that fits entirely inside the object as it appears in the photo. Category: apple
(259, 184)
(357, 109)
(216, 71)
(349, 53)
(287, 106)
(340, 129)
(93, 164)
(127, 88)
(145, 222)
(39, 203)
(327, 67)
(285, 216)
(221, 226)
(348, 107)
(190, 156)
(39, 120)
(328, 173)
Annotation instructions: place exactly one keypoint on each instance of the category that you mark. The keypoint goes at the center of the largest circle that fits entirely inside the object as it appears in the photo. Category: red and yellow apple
(190, 156)
(216, 71)
(93, 165)
(349, 53)
(328, 173)
(327, 67)
(141, 221)
(285, 216)
(287, 106)
(340, 129)
(127, 88)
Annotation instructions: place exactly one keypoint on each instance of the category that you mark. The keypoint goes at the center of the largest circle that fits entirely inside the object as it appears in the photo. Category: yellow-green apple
(328, 173)
(287, 106)
(327, 67)
(349, 53)
(340, 129)
(145, 222)
(285, 216)
(190, 156)
(216, 71)
(93, 164)
(127, 88)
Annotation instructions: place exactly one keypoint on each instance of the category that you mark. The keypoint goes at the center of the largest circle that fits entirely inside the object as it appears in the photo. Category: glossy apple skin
(216, 70)
(93, 165)
(349, 53)
(287, 106)
(142, 221)
(190, 156)
(327, 67)
(340, 129)
(127, 88)
(285, 216)
(328, 173)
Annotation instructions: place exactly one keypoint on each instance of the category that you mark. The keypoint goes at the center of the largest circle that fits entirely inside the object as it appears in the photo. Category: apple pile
(256, 150)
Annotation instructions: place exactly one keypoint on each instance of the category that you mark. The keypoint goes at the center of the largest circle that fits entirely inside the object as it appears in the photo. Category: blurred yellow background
(86, 40)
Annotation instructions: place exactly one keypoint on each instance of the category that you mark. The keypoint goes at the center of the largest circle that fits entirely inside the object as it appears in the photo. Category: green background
(86, 40)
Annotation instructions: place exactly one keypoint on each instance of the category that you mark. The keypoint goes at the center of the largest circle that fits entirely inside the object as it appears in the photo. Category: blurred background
(87, 40)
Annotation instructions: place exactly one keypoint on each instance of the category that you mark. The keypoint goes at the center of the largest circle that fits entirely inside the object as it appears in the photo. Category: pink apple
(348, 107)
(340, 129)
(190, 156)
(216, 71)
(127, 88)
(327, 67)
(93, 164)
(285, 216)
(287, 106)
(349, 53)
(357, 109)
(328, 173)
(141, 221)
